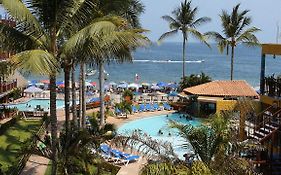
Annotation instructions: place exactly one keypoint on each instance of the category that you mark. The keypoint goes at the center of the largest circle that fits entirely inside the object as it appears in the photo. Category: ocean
(164, 63)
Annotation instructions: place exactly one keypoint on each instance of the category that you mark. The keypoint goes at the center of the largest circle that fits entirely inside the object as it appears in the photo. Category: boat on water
(94, 72)
(91, 72)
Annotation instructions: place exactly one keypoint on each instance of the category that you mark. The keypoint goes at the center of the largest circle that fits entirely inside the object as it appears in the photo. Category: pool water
(152, 125)
(31, 104)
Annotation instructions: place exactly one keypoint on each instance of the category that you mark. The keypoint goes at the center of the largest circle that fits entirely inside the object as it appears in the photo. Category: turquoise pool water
(152, 125)
(31, 104)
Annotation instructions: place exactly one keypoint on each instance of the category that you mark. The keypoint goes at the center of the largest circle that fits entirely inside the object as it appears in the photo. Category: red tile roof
(225, 88)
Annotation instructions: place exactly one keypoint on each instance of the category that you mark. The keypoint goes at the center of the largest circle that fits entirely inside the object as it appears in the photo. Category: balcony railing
(5, 87)
(273, 86)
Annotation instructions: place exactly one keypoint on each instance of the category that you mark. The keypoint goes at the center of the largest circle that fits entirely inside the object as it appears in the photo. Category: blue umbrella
(123, 85)
(59, 83)
(162, 84)
(172, 85)
(94, 100)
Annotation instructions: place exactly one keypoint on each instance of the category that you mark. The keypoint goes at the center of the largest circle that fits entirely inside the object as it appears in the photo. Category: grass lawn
(13, 139)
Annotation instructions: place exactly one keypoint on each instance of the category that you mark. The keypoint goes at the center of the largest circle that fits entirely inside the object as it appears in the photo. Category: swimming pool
(32, 103)
(152, 125)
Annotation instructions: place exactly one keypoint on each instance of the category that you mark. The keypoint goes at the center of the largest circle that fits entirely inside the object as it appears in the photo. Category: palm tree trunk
(67, 96)
(74, 111)
(53, 106)
(232, 63)
(83, 102)
(183, 55)
(53, 121)
(101, 84)
(80, 95)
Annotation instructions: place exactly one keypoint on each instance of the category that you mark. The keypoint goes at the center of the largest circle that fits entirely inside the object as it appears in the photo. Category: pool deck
(38, 165)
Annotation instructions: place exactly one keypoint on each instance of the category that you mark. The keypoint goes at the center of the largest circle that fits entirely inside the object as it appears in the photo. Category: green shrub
(8, 124)
(198, 167)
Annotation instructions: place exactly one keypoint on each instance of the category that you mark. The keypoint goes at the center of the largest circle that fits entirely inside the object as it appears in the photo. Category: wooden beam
(271, 49)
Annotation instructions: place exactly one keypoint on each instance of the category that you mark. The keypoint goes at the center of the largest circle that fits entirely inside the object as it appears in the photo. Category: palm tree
(184, 19)
(130, 10)
(40, 44)
(234, 32)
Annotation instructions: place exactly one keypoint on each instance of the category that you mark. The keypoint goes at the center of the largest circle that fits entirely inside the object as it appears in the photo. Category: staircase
(268, 126)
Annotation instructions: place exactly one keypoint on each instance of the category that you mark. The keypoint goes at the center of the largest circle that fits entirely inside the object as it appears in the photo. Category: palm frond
(26, 21)
(81, 16)
(153, 149)
(167, 34)
(200, 21)
(196, 34)
(169, 19)
(248, 37)
(16, 41)
(36, 62)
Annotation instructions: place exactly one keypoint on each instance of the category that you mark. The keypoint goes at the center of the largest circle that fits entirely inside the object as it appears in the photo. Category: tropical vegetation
(184, 20)
(193, 80)
(235, 32)
(48, 36)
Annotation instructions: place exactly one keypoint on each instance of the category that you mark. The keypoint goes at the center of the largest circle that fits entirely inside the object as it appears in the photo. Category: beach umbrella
(112, 83)
(155, 87)
(88, 84)
(39, 84)
(172, 85)
(61, 86)
(33, 89)
(106, 87)
(45, 81)
(134, 85)
(94, 83)
(162, 84)
(59, 83)
(145, 84)
(94, 100)
(123, 85)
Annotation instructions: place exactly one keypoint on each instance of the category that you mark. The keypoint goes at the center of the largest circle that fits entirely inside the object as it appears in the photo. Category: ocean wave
(168, 61)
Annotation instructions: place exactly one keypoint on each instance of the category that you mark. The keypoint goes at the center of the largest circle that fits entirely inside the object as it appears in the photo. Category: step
(260, 133)
(255, 137)
(265, 130)
(271, 126)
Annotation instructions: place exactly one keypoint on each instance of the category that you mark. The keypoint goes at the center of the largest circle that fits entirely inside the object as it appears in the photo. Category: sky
(266, 14)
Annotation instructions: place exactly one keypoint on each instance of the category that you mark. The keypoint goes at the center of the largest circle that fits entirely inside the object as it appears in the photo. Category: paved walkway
(132, 168)
(36, 165)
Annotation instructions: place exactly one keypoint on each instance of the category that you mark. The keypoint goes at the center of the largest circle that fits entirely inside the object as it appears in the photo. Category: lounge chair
(167, 107)
(118, 112)
(134, 109)
(106, 153)
(156, 107)
(149, 107)
(142, 108)
(124, 157)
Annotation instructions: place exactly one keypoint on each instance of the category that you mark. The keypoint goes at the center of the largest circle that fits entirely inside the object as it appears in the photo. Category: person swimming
(160, 132)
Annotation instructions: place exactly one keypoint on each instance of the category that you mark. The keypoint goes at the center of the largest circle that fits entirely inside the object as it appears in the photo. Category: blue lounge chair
(149, 107)
(124, 157)
(142, 108)
(156, 107)
(106, 153)
(167, 107)
(118, 112)
(134, 109)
